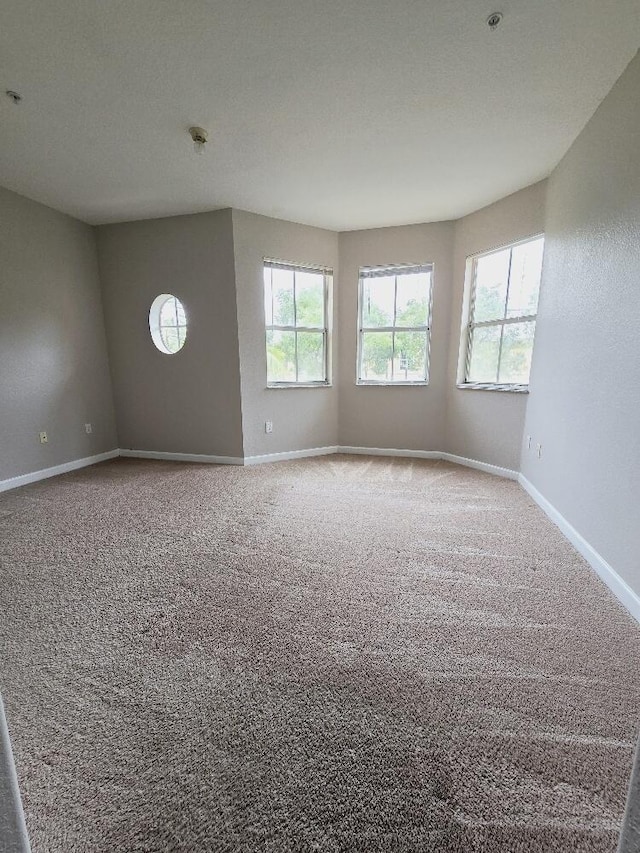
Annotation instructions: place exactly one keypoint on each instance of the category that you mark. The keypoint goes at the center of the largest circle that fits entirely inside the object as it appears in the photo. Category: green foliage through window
(295, 301)
(505, 290)
(395, 305)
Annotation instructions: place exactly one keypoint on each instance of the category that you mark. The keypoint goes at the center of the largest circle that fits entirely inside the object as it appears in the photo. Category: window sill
(364, 384)
(488, 386)
(275, 386)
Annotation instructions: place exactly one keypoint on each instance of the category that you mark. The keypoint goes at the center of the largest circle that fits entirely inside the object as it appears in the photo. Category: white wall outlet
(539, 450)
(88, 429)
(268, 427)
(528, 442)
(44, 438)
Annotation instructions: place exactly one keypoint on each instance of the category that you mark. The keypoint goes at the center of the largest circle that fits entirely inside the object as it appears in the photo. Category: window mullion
(325, 354)
(293, 328)
(471, 325)
(506, 309)
(393, 332)
(395, 328)
(500, 352)
(393, 354)
(295, 310)
(506, 300)
(295, 324)
(359, 338)
(271, 290)
(525, 318)
(175, 311)
(395, 300)
(325, 339)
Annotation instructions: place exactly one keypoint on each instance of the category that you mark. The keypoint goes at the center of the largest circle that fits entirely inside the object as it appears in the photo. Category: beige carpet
(336, 654)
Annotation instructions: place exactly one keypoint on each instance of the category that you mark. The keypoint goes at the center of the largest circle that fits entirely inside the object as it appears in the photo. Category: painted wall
(488, 425)
(54, 372)
(188, 402)
(584, 406)
(409, 417)
(302, 417)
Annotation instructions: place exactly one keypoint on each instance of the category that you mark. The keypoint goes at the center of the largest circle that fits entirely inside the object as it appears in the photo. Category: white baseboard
(290, 454)
(390, 451)
(45, 473)
(616, 584)
(182, 457)
(620, 588)
(34, 476)
(509, 473)
(433, 454)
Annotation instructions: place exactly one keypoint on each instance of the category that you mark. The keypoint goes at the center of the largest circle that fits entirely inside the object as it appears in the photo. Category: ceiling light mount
(199, 136)
(494, 20)
(14, 96)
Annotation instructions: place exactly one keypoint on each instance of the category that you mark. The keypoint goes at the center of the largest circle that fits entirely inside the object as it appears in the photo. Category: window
(394, 317)
(168, 323)
(296, 312)
(503, 288)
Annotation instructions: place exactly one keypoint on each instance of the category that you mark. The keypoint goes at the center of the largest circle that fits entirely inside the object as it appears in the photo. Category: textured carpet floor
(336, 654)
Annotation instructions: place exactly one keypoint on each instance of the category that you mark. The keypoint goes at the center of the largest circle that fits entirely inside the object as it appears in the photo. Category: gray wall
(54, 373)
(302, 417)
(188, 402)
(488, 425)
(406, 418)
(584, 406)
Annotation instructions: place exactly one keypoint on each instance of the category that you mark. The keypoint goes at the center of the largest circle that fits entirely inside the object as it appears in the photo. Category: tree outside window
(295, 299)
(505, 286)
(395, 314)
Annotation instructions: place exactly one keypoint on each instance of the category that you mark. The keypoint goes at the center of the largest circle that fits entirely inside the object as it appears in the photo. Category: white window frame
(157, 329)
(468, 325)
(327, 273)
(386, 270)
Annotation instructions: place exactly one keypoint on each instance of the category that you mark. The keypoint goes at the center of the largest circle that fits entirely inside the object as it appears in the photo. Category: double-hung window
(394, 314)
(296, 305)
(499, 324)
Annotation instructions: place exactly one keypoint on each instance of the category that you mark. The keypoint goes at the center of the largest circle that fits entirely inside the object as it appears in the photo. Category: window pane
(168, 313)
(311, 357)
(282, 284)
(410, 357)
(182, 320)
(377, 353)
(281, 356)
(170, 338)
(378, 296)
(485, 350)
(492, 275)
(524, 286)
(310, 299)
(413, 299)
(268, 297)
(517, 348)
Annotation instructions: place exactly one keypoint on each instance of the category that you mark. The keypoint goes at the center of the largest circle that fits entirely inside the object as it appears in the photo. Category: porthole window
(168, 323)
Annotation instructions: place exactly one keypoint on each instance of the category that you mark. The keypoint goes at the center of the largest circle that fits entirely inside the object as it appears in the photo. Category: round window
(168, 323)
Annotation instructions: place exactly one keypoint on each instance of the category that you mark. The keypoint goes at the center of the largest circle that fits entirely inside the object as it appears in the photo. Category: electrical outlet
(44, 438)
(88, 429)
(539, 450)
(268, 427)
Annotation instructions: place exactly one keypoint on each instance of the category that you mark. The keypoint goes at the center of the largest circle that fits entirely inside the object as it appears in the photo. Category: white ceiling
(339, 113)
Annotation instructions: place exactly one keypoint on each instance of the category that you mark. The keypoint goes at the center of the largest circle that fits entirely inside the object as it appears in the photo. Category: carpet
(333, 654)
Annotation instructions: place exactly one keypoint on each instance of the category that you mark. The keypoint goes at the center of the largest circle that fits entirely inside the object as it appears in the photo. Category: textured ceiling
(340, 113)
